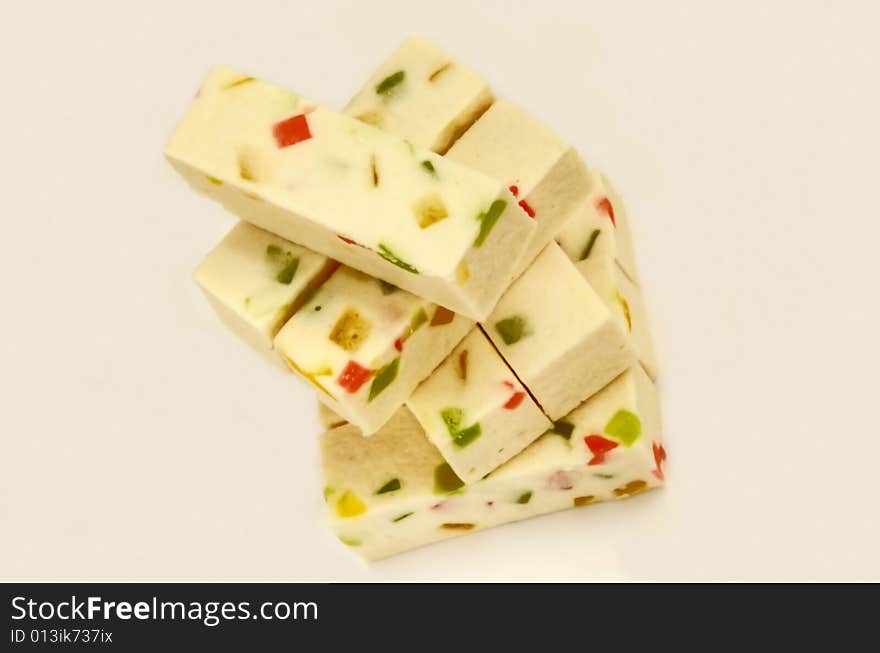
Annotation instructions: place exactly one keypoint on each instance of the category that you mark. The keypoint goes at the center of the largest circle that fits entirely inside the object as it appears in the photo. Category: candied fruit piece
(430, 210)
(442, 315)
(291, 131)
(604, 204)
(386, 253)
(525, 497)
(588, 248)
(599, 446)
(515, 400)
(353, 376)
(384, 377)
(350, 330)
(390, 486)
(457, 526)
(390, 83)
(445, 480)
(625, 426)
(633, 487)
(583, 501)
(564, 428)
(464, 437)
(349, 505)
(513, 329)
(488, 219)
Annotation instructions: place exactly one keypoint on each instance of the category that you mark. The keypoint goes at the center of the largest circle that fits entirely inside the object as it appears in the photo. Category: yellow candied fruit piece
(633, 487)
(214, 180)
(350, 330)
(429, 210)
(371, 118)
(462, 273)
(348, 505)
(457, 526)
(309, 376)
(584, 501)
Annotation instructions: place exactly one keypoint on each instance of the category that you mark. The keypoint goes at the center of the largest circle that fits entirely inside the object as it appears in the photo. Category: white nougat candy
(475, 411)
(557, 334)
(255, 281)
(600, 228)
(624, 300)
(352, 192)
(366, 344)
(544, 173)
(393, 492)
(423, 95)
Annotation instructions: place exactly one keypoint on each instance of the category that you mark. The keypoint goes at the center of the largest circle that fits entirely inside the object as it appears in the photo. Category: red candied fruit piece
(515, 400)
(398, 344)
(514, 190)
(659, 458)
(291, 131)
(353, 377)
(604, 204)
(528, 209)
(599, 446)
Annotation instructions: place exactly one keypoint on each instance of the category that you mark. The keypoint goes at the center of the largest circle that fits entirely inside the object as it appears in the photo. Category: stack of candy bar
(454, 283)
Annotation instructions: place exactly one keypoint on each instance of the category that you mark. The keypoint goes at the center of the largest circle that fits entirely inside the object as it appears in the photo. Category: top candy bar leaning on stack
(566, 326)
(352, 192)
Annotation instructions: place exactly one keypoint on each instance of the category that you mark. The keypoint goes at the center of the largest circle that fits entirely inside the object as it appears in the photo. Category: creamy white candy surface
(255, 281)
(475, 411)
(365, 344)
(544, 173)
(557, 334)
(352, 192)
(393, 492)
(600, 228)
(423, 95)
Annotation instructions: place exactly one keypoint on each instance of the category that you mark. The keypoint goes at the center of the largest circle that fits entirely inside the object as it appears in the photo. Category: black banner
(132, 617)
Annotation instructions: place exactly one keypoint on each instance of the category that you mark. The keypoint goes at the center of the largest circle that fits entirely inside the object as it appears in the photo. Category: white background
(141, 441)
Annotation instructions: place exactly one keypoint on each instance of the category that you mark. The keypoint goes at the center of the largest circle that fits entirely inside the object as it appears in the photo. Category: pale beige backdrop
(140, 441)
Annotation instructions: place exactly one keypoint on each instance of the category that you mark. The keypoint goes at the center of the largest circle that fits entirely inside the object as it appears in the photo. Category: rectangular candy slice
(352, 192)
(475, 411)
(365, 345)
(393, 492)
(557, 335)
(255, 281)
(422, 95)
(625, 301)
(600, 228)
(544, 173)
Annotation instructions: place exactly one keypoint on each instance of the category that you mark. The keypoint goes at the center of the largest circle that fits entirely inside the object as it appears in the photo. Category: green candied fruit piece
(390, 486)
(386, 253)
(513, 329)
(452, 417)
(286, 274)
(387, 288)
(427, 165)
(445, 480)
(387, 85)
(328, 492)
(274, 253)
(488, 219)
(464, 437)
(625, 426)
(402, 517)
(350, 541)
(350, 330)
(585, 254)
(384, 377)
(563, 427)
(524, 498)
(418, 319)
